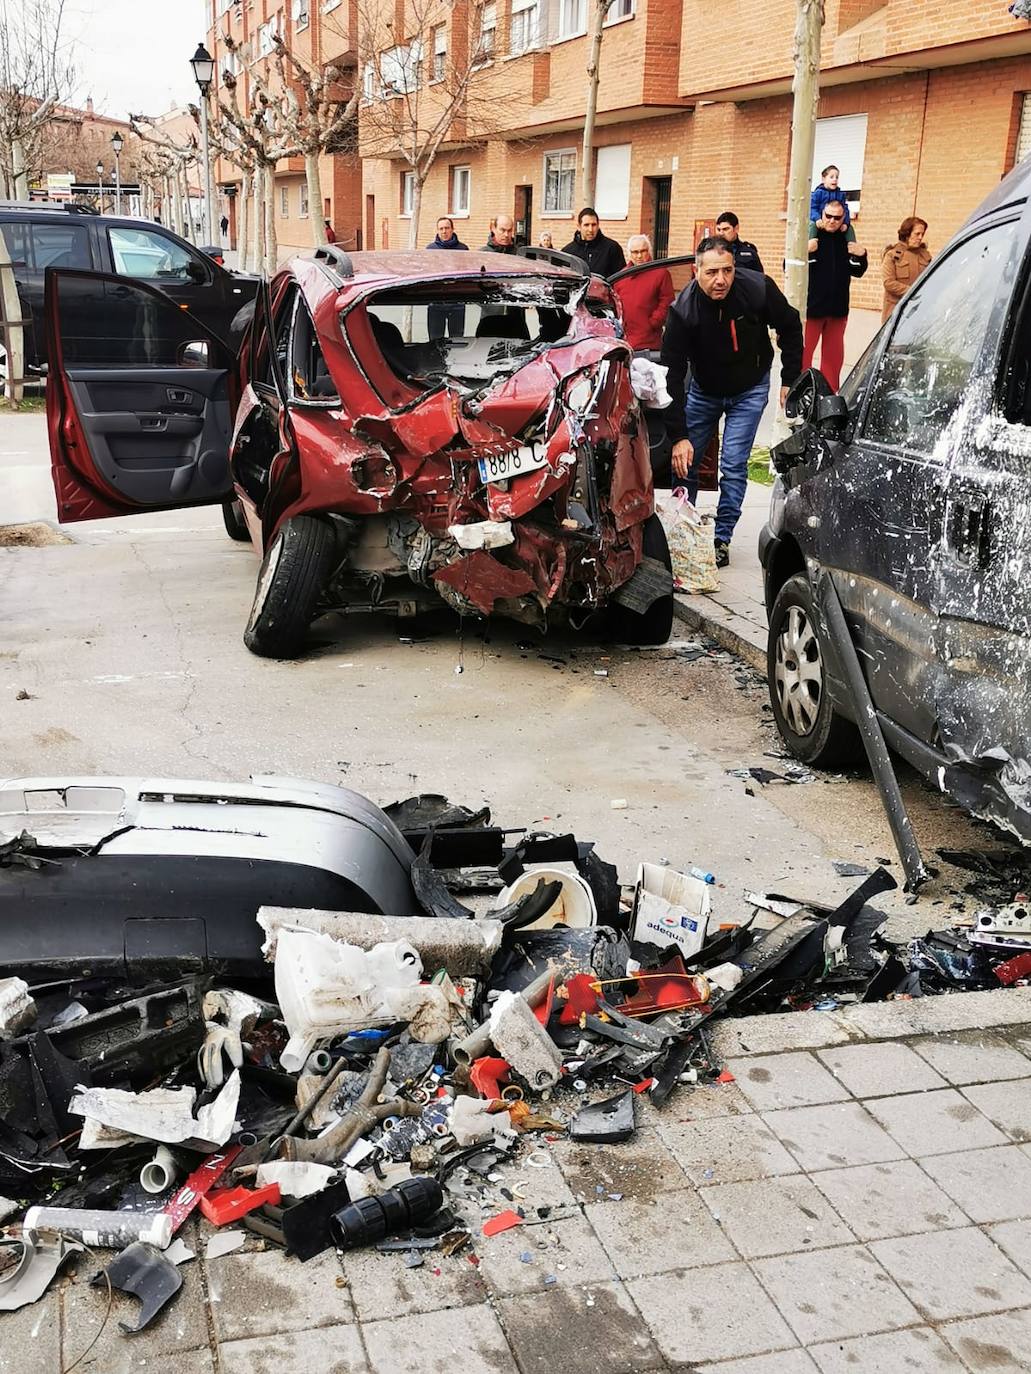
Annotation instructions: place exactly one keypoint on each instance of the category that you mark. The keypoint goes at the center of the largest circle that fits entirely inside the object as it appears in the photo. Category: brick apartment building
(923, 106)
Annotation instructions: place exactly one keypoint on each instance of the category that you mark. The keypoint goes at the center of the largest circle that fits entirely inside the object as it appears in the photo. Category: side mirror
(195, 354)
(196, 271)
(801, 402)
(831, 412)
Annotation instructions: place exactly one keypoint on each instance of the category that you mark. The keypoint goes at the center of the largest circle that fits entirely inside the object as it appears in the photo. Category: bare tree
(35, 74)
(415, 97)
(172, 160)
(809, 21)
(595, 31)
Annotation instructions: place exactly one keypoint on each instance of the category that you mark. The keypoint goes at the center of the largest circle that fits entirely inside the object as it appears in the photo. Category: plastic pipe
(478, 1042)
(162, 1170)
(107, 1229)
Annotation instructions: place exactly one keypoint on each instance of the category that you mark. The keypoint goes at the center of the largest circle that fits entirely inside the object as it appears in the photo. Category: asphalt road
(127, 640)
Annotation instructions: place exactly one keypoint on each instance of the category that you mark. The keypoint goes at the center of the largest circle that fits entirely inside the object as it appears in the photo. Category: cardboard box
(671, 908)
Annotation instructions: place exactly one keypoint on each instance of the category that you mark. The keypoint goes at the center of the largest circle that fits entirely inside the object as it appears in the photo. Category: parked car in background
(913, 489)
(39, 237)
(398, 432)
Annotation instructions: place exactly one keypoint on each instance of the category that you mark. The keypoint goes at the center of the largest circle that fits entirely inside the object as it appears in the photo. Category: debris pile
(362, 1083)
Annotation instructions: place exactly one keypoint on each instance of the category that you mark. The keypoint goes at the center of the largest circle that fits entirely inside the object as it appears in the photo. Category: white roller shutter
(612, 182)
(842, 140)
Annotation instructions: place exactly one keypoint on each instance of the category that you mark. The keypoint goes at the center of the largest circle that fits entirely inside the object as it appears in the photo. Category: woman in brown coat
(903, 262)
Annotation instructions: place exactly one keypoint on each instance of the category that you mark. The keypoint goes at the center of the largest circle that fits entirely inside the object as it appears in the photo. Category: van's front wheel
(292, 576)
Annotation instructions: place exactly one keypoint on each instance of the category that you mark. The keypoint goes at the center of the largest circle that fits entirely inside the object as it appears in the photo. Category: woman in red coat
(645, 297)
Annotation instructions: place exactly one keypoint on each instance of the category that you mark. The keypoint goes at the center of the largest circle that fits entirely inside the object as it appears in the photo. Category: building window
(612, 181)
(328, 5)
(368, 81)
(619, 9)
(524, 29)
(559, 181)
(842, 141)
(488, 33)
(460, 179)
(267, 35)
(284, 202)
(572, 18)
(439, 52)
(303, 199)
(399, 69)
(300, 14)
(407, 194)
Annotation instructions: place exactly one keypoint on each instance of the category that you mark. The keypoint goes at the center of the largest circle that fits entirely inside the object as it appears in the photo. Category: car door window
(309, 374)
(107, 323)
(35, 247)
(149, 256)
(935, 343)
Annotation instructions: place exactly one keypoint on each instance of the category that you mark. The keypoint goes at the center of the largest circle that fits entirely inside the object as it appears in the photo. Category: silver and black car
(912, 488)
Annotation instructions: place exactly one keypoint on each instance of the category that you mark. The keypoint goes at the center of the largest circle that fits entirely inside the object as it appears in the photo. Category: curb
(714, 627)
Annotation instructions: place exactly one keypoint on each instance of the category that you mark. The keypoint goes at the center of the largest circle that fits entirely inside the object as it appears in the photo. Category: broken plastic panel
(145, 1273)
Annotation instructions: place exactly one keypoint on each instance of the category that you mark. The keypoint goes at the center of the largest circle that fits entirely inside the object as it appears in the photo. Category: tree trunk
(806, 91)
(20, 174)
(243, 225)
(413, 223)
(314, 179)
(598, 11)
(13, 336)
(271, 255)
(177, 202)
(259, 217)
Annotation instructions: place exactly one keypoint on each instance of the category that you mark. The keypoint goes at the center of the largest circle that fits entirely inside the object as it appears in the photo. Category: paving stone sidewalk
(858, 1199)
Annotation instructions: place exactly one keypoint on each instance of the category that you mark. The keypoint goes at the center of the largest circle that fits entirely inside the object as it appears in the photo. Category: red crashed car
(389, 435)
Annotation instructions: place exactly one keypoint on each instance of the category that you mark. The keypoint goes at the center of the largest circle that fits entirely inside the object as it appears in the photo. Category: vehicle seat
(510, 325)
(323, 385)
(388, 336)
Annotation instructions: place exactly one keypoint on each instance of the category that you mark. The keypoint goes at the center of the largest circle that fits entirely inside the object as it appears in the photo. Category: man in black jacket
(501, 235)
(603, 256)
(834, 260)
(719, 326)
(446, 320)
(745, 254)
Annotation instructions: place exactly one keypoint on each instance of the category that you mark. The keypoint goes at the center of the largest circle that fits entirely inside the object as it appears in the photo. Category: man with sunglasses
(834, 259)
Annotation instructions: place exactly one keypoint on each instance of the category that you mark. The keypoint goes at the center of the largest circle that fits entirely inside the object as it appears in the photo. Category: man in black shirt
(719, 326)
(603, 256)
(745, 254)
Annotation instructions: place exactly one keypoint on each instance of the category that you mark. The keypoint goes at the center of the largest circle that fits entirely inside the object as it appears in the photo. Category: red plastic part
(201, 1181)
(487, 1075)
(726, 1077)
(582, 999)
(676, 988)
(228, 1204)
(1013, 969)
(504, 1221)
(543, 1012)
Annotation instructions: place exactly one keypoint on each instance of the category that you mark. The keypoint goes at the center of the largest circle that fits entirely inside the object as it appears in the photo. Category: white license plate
(500, 467)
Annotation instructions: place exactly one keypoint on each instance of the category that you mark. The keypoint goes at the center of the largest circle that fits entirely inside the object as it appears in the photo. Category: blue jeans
(743, 412)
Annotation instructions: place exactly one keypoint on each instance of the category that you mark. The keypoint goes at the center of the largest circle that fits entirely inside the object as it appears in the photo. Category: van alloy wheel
(798, 672)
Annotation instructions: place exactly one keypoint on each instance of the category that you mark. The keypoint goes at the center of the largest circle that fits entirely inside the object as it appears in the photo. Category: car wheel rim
(265, 579)
(798, 672)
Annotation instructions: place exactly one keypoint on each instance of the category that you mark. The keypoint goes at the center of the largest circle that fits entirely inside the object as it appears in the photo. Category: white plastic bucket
(574, 907)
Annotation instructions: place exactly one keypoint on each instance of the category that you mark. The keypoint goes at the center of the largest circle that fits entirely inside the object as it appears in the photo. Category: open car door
(140, 400)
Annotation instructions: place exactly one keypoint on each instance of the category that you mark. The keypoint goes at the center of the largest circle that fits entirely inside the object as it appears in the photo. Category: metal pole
(806, 90)
(206, 157)
(873, 739)
(118, 186)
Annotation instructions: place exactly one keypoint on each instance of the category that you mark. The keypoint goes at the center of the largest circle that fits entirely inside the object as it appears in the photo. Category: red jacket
(646, 298)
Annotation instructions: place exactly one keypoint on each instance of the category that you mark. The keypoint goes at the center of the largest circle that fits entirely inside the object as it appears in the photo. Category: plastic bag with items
(691, 543)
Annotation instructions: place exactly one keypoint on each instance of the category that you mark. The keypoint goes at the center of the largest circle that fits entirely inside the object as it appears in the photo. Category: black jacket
(453, 244)
(491, 247)
(831, 269)
(726, 344)
(603, 256)
(746, 255)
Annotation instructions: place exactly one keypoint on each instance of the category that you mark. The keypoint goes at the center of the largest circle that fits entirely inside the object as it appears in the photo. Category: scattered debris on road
(335, 1077)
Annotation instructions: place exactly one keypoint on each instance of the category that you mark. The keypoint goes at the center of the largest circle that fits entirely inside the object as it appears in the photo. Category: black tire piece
(292, 576)
(796, 657)
(236, 525)
(656, 623)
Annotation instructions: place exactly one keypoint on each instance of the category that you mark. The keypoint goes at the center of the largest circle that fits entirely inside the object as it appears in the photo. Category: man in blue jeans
(719, 328)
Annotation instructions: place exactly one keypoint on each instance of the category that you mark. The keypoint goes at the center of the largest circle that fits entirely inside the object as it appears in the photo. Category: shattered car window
(470, 331)
(936, 341)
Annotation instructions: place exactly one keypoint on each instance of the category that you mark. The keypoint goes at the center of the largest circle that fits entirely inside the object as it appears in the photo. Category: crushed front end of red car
(487, 444)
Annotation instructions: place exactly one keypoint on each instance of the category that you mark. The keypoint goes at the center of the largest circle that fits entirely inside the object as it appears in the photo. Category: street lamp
(118, 143)
(203, 65)
(100, 186)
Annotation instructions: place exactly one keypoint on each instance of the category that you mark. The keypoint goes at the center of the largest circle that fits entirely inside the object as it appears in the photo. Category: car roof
(418, 264)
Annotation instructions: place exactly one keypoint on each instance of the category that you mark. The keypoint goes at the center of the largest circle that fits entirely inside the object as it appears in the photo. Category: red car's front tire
(293, 574)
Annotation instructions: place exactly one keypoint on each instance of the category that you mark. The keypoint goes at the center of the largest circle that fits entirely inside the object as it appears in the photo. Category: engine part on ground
(520, 1038)
(365, 1222)
(478, 1042)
